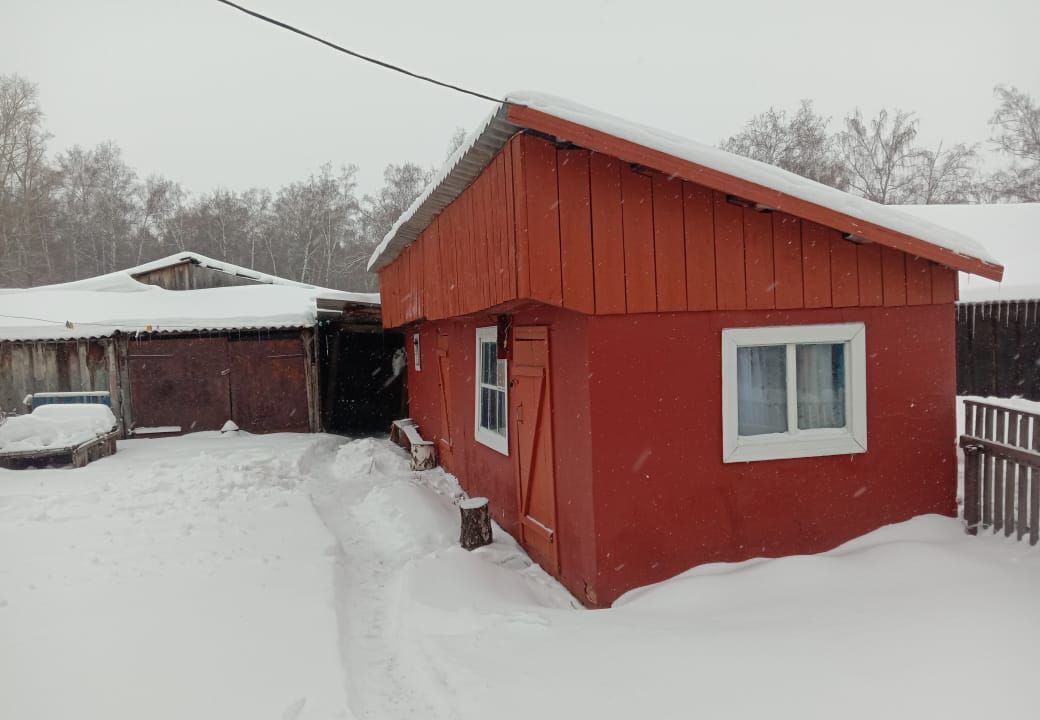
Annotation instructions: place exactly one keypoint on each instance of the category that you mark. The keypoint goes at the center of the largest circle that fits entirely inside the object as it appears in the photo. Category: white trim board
(796, 443)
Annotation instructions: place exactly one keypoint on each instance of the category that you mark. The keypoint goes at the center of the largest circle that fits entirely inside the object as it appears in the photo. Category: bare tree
(799, 143)
(944, 176)
(162, 218)
(100, 212)
(1016, 127)
(880, 156)
(25, 231)
(458, 137)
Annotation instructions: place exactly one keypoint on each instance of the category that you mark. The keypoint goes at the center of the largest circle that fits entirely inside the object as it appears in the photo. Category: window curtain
(821, 386)
(761, 389)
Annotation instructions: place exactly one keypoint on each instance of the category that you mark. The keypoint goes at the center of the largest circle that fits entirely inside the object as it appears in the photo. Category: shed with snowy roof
(651, 354)
(186, 343)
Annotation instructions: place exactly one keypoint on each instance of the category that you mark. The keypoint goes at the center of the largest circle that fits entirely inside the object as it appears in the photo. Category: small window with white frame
(491, 393)
(793, 391)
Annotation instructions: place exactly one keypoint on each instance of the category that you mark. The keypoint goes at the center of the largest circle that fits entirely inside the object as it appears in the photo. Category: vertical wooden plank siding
(699, 228)
(476, 247)
(588, 232)
(637, 218)
(918, 281)
(816, 264)
(787, 260)
(434, 276)
(868, 265)
(758, 259)
(511, 227)
(844, 272)
(669, 243)
(944, 284)
(608, 246)
(893, 276)
(576, 230)
(497, 201)
(543, 221)
(729, 254)
(518, 148)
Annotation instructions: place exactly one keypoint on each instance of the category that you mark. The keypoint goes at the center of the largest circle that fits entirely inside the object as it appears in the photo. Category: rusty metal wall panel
(180, 382)
(269, 385)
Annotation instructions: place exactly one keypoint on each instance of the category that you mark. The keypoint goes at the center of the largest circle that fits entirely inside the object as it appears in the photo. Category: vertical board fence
(1001, 470)
(998, 348)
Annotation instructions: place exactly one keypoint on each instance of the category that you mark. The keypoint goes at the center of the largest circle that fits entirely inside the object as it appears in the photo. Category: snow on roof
(1011, 231)
(481, 145)
(103, 305)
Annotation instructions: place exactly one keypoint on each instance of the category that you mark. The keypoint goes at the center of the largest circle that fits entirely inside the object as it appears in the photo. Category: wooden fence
(998, 348)
(1001, 470)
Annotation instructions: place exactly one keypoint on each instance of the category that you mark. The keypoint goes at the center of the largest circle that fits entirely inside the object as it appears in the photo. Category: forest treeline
(85, 211)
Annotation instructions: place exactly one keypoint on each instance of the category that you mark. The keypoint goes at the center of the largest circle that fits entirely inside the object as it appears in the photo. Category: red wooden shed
(650, 354)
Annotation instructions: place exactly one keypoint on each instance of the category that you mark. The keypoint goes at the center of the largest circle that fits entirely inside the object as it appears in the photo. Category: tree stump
(476, 523)
(424, 455)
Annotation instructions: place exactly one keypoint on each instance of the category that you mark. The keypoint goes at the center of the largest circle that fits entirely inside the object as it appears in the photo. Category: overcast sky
(198, 92)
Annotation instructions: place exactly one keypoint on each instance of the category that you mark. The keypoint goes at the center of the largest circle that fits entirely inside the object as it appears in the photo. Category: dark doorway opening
(362, 379)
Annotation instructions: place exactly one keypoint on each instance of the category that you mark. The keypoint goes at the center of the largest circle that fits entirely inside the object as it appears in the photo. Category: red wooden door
(179, 383)
(530, 404)
(444, 446)
(269, 385)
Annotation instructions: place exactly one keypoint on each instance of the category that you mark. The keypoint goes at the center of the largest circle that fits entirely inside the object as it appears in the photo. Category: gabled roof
(119, 276)
(751, 180)
(116, 302)
(1011, 230)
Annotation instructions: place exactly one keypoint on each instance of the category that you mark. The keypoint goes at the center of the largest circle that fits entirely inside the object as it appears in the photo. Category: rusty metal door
(180, 383)
(269, 385)
(530, 404)
(444, 446)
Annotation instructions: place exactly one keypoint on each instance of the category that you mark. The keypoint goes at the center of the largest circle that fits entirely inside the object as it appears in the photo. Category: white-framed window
(491, 393)
(793, 391)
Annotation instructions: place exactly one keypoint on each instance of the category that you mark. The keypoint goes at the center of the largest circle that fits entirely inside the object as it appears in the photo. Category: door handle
(226, 371)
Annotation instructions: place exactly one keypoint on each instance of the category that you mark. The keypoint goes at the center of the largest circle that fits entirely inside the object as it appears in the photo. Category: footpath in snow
(915, 620)
(301, 576)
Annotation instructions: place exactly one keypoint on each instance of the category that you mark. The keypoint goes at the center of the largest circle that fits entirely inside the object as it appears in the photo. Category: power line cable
(366, 58)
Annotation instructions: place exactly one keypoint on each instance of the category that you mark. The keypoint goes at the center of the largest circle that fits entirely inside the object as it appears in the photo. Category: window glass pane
(761, 389)
(501, 414)
(485, 407)
(487, 363)
(500, 366)
(821, 386)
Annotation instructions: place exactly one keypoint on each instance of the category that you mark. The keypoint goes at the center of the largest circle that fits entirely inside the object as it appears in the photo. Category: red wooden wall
(590, 233)
(664, 499)
(488, 473)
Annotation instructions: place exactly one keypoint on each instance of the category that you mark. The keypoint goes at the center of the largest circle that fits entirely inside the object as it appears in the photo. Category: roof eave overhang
(512, 118)
(592, 139)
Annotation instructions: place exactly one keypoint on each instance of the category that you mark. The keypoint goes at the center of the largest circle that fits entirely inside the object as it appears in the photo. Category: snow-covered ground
(180, 578)
(310, 577)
